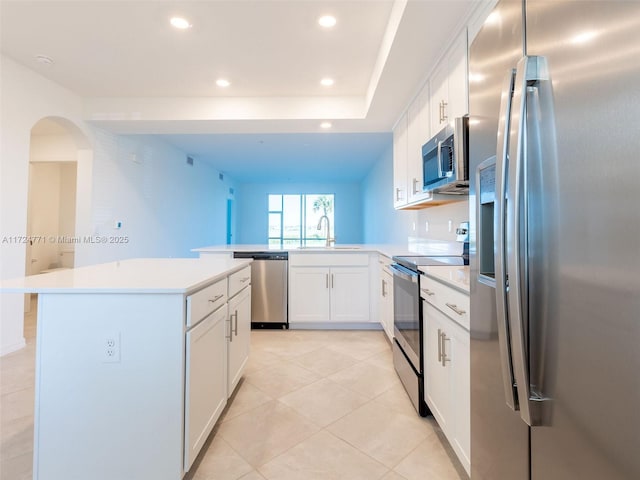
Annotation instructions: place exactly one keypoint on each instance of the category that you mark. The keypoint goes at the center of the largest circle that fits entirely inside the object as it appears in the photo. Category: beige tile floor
(323, 405)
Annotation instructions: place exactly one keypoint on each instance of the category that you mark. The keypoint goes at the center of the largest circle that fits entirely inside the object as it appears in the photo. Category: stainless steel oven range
(408, 350)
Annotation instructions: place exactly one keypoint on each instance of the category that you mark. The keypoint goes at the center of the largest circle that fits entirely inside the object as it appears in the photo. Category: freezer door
(499, 439)
(585, 355)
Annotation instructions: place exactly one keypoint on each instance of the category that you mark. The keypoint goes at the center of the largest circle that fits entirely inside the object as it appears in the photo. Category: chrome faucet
(329, 239)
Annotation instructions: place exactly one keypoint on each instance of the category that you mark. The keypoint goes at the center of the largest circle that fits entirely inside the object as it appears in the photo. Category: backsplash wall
(385, 225)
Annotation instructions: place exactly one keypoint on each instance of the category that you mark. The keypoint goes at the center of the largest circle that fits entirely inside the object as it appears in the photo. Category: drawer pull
(426, 291)
(455, 308)
(244, 279)
(216, 298)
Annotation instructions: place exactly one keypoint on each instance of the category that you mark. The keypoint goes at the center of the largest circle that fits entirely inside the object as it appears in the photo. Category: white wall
(382, 224)
(253, 209)
(165, 206)
(44, 214)
(385, 225)
(26, 98)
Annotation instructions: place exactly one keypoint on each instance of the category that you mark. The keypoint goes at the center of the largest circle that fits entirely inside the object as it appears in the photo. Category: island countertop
(139, 275)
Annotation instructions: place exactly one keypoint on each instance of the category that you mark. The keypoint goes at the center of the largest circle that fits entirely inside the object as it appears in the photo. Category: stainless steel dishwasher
(269, 288)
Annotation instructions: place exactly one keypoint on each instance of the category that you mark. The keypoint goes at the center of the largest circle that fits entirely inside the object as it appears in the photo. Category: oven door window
(406, 316)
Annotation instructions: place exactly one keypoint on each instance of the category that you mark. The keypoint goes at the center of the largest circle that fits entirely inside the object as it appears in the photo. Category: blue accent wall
(252, 207)
(382, 224)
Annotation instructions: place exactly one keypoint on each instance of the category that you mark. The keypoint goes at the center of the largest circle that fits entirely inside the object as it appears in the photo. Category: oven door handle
(402, 272)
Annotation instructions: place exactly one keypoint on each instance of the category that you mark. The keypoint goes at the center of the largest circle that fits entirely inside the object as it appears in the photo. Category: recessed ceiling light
(327, 82)
(223, 82)
(325, 125)
(44, 60)
(327, 21)
(179, 22)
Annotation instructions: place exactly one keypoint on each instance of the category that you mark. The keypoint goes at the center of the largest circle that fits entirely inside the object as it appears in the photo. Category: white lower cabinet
(349, 287)
(205, 381)
(329, 294)
(239, 337)
(437, 388)
(309, 294)
(385, 299)
(447, 383)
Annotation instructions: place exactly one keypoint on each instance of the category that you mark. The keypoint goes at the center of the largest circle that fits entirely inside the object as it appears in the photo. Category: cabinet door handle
(443, 115)
(216, 298)
(236, 318)
(332, 280)
(445, 357)
(398, 196)
(242, 280)
(415, 186)
(439, 346)
(428, 292)
(455, 308)
(384, 288)
(326, 280)
(230, 337)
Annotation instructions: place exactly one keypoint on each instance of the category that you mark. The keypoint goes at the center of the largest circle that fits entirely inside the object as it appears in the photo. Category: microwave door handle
(508, 379)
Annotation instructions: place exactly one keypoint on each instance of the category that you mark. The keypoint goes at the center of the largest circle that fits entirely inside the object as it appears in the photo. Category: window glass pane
(275, 203)
(275, 223)
(275, 241)
(291, 242)
(317, 206)
(291, 217)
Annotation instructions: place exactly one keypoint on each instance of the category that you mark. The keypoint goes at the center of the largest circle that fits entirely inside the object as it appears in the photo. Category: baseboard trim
(334, 326)
(7, 349)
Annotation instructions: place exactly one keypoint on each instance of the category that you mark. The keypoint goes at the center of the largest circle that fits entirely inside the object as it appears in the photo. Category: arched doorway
(59, 172)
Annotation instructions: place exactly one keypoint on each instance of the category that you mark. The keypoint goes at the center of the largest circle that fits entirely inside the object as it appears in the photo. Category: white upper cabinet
(458, 83)
(417, 135)
(443, 98)
(439, 83)
(400, 137)
(449, 87)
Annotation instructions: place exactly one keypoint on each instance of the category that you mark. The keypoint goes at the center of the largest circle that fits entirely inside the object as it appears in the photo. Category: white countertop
(140, 275)
(455, 276)
(384, 249)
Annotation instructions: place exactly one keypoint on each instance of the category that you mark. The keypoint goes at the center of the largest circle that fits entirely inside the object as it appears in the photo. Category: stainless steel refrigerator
(555, 241)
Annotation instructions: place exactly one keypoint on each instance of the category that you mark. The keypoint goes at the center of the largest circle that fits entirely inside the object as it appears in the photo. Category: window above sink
(293, 220)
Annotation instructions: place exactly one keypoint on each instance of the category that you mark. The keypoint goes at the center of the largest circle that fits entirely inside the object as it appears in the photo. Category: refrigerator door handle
(439, 156)
(531, 69)
(508, 379)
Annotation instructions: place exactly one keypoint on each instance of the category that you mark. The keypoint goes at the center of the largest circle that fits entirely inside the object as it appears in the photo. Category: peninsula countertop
(388, 250)
(139, 275)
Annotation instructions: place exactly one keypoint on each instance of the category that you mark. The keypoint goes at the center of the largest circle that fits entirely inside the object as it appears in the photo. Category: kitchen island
(135, 362)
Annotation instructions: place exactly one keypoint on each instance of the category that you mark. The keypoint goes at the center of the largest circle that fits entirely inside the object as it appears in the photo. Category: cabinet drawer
(451, 302)
(239, 280)
(328, 259)
(205, 301)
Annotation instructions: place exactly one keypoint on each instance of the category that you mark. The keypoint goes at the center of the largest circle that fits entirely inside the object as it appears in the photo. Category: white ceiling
(139, 75)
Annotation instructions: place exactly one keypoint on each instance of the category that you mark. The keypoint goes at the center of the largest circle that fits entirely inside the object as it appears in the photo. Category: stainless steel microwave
(445, 161)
